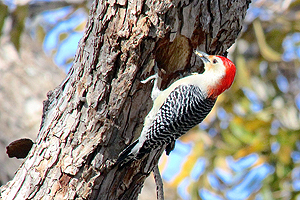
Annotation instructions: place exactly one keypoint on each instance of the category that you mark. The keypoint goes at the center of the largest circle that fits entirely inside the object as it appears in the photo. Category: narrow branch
(159, 183)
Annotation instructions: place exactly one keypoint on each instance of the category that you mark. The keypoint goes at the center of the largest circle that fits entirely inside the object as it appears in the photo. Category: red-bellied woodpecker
(181, 106)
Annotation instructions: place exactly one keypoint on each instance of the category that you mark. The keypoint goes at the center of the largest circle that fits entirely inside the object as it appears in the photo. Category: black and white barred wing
(175, 118)
(185, 107)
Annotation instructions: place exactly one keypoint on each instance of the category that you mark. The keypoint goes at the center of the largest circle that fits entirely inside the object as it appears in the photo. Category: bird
(180, 107)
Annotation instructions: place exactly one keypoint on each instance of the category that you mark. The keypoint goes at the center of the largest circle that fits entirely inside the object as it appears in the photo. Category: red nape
(226, 81)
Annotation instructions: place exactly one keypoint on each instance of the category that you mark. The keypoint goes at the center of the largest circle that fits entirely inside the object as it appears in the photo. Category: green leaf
(3, 15)
(19, 15)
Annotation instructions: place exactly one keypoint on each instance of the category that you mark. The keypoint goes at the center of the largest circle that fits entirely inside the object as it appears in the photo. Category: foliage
(57, 24)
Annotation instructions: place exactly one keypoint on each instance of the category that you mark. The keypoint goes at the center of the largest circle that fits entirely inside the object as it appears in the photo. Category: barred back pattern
(184, 108)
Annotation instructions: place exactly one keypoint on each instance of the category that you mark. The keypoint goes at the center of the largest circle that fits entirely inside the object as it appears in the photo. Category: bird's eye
(215, 61)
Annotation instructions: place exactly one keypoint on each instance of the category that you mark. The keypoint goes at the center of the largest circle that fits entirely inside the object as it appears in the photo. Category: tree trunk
(99, 108)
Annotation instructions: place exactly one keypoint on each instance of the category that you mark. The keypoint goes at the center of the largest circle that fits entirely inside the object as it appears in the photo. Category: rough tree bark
(99, 108)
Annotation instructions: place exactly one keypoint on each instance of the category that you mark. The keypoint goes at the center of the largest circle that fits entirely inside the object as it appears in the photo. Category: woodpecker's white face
(212, 63)
(219, 73)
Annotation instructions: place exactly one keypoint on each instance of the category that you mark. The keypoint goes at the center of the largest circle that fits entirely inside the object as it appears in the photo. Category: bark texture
(99, 108)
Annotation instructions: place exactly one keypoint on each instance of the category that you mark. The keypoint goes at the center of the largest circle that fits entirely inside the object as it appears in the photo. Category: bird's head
(220, 71)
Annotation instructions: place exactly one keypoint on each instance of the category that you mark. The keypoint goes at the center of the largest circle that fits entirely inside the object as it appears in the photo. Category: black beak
(203, 56)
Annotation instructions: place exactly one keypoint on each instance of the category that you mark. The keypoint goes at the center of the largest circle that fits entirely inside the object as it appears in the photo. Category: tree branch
(159, 183)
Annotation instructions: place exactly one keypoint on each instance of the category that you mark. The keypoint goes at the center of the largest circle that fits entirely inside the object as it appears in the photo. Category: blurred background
(248, 147)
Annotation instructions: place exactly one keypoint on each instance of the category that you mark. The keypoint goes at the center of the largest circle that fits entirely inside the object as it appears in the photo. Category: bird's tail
(127, 156)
